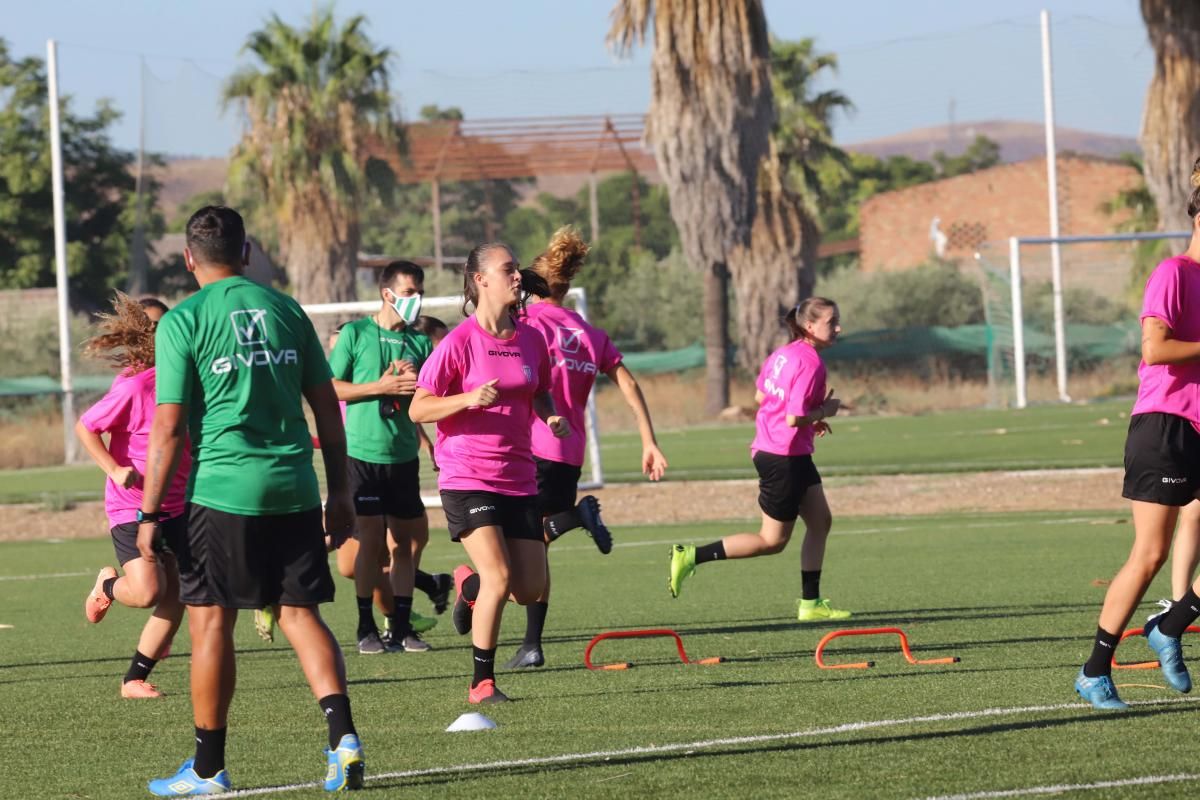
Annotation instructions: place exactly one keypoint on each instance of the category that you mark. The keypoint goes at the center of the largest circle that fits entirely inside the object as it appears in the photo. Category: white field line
(1148, 780)
(709, 744)
(449, 557)
(44, 575)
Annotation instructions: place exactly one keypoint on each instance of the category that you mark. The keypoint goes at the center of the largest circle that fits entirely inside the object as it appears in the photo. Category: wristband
(150, 516)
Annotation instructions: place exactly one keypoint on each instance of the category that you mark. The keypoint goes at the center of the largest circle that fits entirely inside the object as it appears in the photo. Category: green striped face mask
(408, 308)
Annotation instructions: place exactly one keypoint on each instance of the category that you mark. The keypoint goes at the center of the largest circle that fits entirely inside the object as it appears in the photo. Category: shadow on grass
(799, 745)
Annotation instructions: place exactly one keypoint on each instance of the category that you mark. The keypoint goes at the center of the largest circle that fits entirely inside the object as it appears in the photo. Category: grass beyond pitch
(1045, 437)
(1012, 595)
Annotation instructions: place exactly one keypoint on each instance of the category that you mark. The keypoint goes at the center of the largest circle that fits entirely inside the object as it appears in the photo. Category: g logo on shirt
(569, 339)
(249, 325)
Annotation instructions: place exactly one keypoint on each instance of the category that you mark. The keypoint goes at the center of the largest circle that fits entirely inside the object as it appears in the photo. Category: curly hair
(561, 261)
(1194, 199)
(126, 337)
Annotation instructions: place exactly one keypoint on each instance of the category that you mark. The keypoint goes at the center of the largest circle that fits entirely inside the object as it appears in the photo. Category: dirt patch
(700, 501)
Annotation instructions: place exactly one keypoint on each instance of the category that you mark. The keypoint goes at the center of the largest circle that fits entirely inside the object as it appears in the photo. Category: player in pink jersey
(125, 414)
(483, 386)
(578, 353)
(793, 406)
(1162, 469)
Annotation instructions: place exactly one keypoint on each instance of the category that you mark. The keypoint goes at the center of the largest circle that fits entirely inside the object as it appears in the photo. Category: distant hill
(183, 178)
(1018, 141)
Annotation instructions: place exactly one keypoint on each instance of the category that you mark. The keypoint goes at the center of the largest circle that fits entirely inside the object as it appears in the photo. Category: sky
(905, 65)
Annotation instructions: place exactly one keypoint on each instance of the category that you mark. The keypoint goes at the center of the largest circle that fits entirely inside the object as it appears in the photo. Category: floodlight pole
(60, 256)
(1060, 335)
(1018, 320)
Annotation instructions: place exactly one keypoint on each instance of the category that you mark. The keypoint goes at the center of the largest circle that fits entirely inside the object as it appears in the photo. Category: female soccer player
(125, 414)
(1162, 468)
(793, 407)
(578, 353)
(482, 386)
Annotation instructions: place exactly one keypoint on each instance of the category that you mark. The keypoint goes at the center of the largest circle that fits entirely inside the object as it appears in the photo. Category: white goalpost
(1015, 245)
(448, 309)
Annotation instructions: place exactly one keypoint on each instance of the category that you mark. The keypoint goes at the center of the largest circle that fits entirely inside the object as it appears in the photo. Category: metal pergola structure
(529, 147)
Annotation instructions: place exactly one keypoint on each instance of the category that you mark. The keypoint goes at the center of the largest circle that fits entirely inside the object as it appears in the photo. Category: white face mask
(407, 308)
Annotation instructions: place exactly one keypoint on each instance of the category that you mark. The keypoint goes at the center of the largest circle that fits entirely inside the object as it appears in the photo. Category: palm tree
(315, 103)
(709, 123)
(778, 269)
(1170, 135)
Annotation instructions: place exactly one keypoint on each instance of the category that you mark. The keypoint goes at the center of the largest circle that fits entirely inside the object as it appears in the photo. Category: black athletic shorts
(782, 482)
(392, 489)
(558, 484)
(465, 511)
(1162, 460)
(124, 537)
(236, 561)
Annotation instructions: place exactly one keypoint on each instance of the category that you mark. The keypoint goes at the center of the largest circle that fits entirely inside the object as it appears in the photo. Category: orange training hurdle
(683, 657)
(1141, 664)
(829, 637)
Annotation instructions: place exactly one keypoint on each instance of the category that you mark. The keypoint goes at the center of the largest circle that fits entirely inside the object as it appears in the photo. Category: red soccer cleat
(486, 693)
(96, 605)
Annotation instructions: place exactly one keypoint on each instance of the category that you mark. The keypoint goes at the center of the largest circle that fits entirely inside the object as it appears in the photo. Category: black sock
(485, 664)
(107, 587)
(139, 667)
(425, 583)
(401, 617)
(710, 552)
(535, 621)
(556, 525)
(336, 708)
(1102, 654)
(810, 584)
(366, 618)
(210, 752)
(470, 588)
(1183, 613)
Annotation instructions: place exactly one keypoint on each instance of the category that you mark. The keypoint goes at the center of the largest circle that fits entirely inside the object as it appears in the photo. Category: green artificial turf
(1044, 437)
(1012, 595)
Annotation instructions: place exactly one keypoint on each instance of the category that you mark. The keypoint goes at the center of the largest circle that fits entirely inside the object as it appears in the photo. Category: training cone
(473, 721)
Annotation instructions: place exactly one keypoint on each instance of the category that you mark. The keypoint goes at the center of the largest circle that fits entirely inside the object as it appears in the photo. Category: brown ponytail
(807, 311)
(126, 337)
(1194, 200)
(561, 261)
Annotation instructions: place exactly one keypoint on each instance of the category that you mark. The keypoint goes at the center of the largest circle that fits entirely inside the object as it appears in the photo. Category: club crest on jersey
(528, 373)
(569, 339)
(777, 367)
(249, 325)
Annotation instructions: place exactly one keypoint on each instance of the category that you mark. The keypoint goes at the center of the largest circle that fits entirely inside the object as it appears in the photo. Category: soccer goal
(1027, 282)
(449, 310)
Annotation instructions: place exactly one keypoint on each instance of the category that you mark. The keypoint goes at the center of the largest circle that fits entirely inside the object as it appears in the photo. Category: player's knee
(772, 547)
(496, 582)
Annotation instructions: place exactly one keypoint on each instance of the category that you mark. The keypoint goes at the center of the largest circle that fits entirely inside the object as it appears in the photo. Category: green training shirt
(362, 352)
(239, 356)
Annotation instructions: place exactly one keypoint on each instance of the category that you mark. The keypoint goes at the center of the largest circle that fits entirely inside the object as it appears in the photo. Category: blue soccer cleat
(1099, 691)
(346, 768)
(186, 783)
(1170, 656)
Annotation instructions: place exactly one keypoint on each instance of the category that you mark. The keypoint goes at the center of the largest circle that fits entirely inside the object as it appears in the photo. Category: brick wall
(988, 206)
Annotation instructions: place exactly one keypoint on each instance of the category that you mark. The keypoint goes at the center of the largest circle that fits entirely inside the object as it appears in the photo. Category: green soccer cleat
(683, 565)
(421, 623)
(264, 623)
(820, 610)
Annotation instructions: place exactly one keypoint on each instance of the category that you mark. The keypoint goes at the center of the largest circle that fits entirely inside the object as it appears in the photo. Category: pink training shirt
(126, 413)
(488, 449)
(578, 353)
(1172, 295)
(792, 381)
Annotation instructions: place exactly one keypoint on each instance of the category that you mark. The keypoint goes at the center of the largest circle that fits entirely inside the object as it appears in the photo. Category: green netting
(43, 384)
(652, 362)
